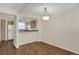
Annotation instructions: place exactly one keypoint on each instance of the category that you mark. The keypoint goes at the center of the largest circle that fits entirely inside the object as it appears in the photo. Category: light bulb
(45, 18)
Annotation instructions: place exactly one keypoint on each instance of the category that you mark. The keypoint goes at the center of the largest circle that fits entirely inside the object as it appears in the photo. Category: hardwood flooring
(7, 48)
(34, 48)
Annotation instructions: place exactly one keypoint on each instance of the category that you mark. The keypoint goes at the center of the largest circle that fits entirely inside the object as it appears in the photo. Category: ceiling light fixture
(45, 16)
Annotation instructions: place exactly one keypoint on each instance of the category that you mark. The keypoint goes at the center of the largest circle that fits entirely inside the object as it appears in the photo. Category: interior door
(3, 29)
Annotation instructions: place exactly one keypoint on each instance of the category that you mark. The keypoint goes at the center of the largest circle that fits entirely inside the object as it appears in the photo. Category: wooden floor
(34, 48)
(7, 48)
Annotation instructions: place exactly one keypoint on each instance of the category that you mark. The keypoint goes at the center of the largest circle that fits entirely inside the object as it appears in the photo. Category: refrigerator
(10, 32)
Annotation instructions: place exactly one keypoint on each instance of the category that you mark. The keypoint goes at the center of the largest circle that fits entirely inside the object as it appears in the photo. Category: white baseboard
(59, 47)
(26, 42)
(16, 46)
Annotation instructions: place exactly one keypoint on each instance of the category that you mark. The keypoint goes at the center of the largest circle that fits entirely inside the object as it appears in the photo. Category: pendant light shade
(45, 16)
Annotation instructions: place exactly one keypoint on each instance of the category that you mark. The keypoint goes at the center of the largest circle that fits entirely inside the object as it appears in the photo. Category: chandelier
(45, 16)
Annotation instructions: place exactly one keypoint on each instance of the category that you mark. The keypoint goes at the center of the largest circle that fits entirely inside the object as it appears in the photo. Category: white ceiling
(12, 7)
(35, 8)
(7, 16)
(38, 8)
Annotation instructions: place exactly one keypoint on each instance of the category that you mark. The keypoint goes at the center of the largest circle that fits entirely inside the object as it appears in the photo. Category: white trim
(16, 46)
(60, 47)
(6, 30)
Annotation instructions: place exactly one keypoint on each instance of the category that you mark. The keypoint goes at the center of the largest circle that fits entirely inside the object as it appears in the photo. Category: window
(33, 24)
(21, 26)
(27, 23)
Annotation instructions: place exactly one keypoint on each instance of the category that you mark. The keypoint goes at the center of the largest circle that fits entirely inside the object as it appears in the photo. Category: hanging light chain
(45, 9)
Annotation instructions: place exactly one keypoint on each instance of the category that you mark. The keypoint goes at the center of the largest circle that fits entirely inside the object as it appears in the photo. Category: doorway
(6, 30)
(6, 36)
(10, 30)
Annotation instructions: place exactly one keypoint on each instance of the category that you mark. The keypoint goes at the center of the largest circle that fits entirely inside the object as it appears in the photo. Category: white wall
(62, 30)
(27, 37)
